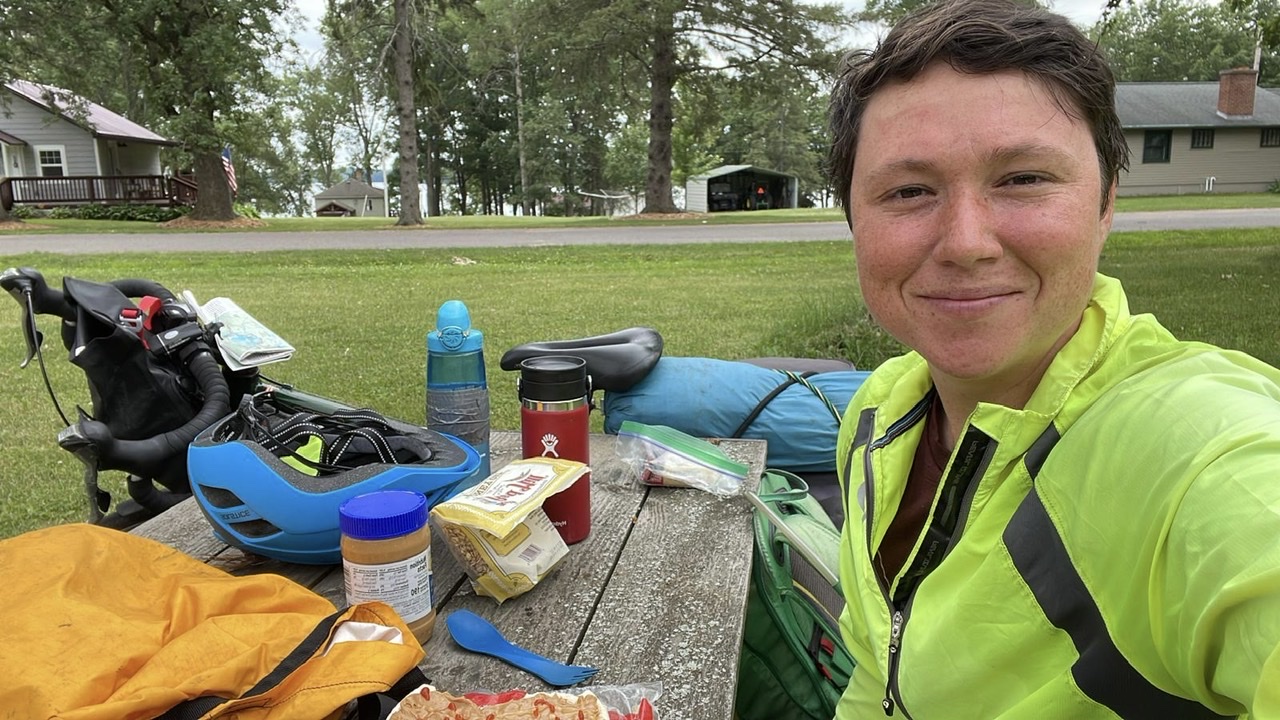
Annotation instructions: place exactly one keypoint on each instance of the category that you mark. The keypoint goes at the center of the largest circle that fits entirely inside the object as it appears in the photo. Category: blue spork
(479, 635)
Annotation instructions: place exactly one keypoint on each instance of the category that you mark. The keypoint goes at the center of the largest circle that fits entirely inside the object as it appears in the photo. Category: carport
(740, 187)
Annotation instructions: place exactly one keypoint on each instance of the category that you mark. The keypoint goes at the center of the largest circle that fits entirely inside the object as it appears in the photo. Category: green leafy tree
(194, 64)
(316, 108)
(1180, 40)
(549, 114)
(1260, 16)
(1264, 19)
(772, 115)
(626, 159)
(372, 47)
(505, 57)
(666, 40)
(270, 170)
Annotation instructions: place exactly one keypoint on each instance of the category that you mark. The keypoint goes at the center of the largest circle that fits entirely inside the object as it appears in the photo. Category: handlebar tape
(44, 299)
(48, 301)
(138, 287)
(132, 455)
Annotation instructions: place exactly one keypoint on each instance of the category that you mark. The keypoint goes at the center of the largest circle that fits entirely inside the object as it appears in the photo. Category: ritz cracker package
(497, 530)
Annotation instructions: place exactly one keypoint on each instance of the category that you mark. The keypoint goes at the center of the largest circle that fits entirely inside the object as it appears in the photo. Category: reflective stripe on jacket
(1116, 543)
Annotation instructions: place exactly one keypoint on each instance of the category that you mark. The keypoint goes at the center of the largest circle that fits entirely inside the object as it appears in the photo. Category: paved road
(630, 233)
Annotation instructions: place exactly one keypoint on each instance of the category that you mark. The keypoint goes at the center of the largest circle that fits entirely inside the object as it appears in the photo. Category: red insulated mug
(555, 401)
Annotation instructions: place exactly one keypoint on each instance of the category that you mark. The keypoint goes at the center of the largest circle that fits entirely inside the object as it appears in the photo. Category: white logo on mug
(549, 442)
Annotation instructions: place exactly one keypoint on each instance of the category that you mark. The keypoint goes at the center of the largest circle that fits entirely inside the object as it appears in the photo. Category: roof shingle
(1187, 104)
(102, 122)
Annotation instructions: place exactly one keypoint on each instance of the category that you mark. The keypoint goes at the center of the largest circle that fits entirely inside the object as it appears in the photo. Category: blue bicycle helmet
(270, 476)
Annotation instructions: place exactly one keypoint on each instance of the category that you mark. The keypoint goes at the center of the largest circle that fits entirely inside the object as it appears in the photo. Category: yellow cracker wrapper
(498, 531)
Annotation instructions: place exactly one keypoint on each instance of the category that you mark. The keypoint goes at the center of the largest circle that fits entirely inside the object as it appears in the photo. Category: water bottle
(555, 403)
(457, 394)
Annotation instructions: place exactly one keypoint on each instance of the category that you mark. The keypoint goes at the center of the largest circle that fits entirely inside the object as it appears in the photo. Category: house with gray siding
(48, 132)
(351, 198)
(1199, 137)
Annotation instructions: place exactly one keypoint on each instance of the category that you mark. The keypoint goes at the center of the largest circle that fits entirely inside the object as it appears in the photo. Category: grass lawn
(454, 222)
(358, 319)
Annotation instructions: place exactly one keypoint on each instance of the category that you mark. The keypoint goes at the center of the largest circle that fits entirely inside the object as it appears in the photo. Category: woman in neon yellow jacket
(1055, 509)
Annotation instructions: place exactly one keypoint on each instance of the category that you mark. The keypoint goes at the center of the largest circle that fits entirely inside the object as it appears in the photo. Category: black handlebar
(140, 457)
(45, 300)
(25, 281)
(137, 287)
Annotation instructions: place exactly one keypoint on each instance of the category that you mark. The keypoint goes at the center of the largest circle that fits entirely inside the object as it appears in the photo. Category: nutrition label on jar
(404, 585)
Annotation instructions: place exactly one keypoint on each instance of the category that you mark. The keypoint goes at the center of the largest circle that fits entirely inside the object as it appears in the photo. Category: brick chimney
(1235, 92)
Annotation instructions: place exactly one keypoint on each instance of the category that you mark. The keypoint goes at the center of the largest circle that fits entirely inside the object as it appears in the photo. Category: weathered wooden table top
(656, 594)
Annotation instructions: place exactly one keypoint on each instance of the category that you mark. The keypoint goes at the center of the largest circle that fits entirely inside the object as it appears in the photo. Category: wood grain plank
(656, 593)
(549, 619)
(674, 610)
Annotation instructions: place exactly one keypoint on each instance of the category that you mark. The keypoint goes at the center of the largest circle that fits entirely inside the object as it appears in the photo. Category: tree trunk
(213, 200)
(435, 182)
(428, 174)
(657, 186)
(402, 49)
(460, 182)
(5, 216)
(526, 206)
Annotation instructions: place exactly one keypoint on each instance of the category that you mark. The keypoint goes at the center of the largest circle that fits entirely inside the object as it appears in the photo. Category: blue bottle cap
(453, 331)
(383, 514)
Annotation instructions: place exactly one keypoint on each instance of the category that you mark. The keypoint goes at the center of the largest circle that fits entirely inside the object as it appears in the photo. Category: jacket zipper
(895, 640)
(892, 695)
(899, 618)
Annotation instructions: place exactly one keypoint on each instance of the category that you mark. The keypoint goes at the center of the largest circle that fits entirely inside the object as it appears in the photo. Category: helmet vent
(255, 528)
(220, 498)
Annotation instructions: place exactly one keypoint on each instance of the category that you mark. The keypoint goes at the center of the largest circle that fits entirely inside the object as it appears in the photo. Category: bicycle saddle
(615, 361)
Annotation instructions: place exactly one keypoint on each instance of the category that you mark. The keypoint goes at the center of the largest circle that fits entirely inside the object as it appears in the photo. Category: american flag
(230, 169)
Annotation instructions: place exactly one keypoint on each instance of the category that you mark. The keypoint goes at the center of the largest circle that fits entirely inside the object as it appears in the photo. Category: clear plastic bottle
(386, 555)
(457, 391)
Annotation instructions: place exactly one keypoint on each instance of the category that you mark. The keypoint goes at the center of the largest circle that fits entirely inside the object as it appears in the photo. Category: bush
(247, 210)
(1275, 187)
(137, 213)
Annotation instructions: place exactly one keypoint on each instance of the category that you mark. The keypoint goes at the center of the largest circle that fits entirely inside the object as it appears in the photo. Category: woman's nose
(967, 231)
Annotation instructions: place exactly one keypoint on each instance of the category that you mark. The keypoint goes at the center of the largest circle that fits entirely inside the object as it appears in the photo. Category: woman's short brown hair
(981, 36)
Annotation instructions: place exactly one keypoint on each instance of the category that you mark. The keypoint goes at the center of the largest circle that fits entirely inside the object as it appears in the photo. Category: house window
(52, 160)
(1202, 139)
(1271, 137)
(1155, 146)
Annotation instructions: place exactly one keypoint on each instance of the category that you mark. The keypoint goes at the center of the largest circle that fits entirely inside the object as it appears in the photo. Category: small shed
(741, 187)
(351, 198)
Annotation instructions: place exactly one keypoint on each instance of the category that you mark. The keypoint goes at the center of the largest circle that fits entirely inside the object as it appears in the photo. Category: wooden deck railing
(86, 190)
(182, 189)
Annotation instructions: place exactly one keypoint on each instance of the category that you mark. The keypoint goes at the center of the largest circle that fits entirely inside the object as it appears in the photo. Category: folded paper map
(243, 340)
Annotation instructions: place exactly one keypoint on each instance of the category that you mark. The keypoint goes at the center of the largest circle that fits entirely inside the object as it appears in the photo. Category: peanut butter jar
(386, 555)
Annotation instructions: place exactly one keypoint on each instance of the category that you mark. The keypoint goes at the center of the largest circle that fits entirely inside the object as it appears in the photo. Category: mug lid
(551, 378)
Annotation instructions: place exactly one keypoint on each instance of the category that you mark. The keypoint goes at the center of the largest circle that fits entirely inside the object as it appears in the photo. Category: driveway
(631, 233)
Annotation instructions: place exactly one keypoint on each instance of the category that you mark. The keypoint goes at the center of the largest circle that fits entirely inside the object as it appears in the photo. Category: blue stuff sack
(797, 414)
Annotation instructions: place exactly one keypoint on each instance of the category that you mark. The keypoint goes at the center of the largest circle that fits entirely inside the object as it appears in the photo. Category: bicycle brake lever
(34, 339)
(73, 440)
(30, 333)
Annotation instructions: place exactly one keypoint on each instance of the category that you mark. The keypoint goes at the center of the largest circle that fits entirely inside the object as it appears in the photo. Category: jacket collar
(1104, 319)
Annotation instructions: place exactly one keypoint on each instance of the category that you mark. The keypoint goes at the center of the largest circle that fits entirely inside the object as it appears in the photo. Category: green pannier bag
(794, 663)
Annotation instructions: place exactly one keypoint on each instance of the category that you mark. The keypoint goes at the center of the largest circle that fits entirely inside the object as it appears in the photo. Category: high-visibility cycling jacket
(1110, 550)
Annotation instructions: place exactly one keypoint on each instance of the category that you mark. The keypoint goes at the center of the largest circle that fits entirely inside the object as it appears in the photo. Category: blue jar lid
(383, 514)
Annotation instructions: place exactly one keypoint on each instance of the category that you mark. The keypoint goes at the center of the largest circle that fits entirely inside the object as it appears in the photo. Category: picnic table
(656, 594)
